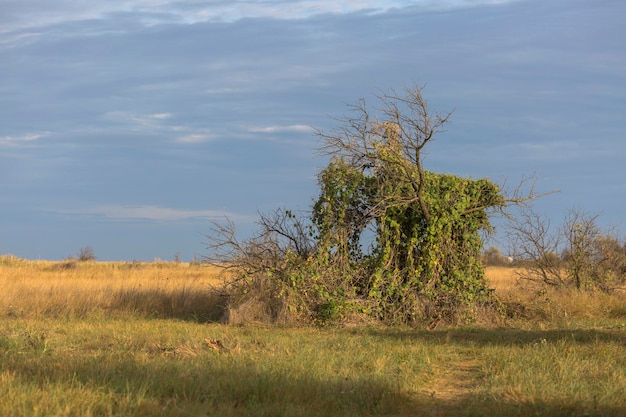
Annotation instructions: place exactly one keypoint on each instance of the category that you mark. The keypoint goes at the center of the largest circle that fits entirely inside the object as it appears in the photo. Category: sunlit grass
(136, 367)
(502, 278)
(545, 305)
(578, 372)
(78, 289)
(132, 339)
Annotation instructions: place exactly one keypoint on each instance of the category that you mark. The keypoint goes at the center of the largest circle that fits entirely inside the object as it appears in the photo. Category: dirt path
(455, 382)
(451, 389)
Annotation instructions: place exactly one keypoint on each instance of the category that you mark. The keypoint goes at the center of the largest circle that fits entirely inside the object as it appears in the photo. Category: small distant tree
(593, 258)
(536, 244)
(86, 253)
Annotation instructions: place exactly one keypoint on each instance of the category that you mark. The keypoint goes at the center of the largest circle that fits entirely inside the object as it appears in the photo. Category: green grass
(139, 367)
(160, 367)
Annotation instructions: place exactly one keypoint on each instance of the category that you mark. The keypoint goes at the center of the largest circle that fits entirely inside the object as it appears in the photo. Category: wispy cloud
(298, 9)
(21, 139)
(224, 90)
(281, 129)
(194, 138)
(141, 121)
(159, 116)
(161, 123)
(38, 13)
(554, 150)
(149, 212)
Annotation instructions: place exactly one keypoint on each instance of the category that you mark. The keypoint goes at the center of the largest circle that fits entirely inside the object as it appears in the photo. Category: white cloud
(278, 129)
(193, 138)
(149, 212)
(230, 11)
(17, 140)
(159, 116)
(141, 121)
(158, 122)
(37, 13)
(451, 4)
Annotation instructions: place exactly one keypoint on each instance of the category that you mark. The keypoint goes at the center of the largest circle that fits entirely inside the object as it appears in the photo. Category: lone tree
(425, 258)
(387, 237)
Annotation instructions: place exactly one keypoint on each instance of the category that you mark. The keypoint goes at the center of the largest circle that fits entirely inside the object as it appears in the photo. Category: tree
(535, 243)
(387, 237)
(576, 254)
(425, 259)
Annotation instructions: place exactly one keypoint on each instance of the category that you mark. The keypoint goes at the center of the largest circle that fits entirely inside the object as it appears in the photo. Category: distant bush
(86, 254)
(493, 257)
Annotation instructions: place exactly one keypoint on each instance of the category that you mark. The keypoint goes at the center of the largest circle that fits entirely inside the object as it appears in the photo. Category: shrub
(86, 254)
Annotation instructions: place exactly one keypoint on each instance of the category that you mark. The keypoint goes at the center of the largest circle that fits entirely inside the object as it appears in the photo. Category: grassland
(132, 339)
(73, 289)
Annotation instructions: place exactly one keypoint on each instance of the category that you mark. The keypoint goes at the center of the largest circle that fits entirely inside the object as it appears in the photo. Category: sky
(130, 125)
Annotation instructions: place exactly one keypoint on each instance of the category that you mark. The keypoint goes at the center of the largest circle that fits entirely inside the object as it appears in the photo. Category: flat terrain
(130, 339)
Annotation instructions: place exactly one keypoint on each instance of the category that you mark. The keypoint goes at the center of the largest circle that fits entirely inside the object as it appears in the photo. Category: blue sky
(129, 126)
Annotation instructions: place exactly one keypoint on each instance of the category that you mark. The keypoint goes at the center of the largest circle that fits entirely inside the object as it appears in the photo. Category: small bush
(86, 254)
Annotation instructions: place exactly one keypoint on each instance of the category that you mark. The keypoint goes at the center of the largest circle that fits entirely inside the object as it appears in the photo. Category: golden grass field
(69, 288)
(135, 339)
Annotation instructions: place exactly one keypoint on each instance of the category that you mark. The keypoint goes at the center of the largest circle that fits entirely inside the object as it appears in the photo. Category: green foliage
(341, 212)
(386, 237)
(417, 263)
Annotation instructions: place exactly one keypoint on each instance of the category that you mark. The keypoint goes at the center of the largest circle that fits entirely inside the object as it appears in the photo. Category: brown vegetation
(76, 289)
(537, 303)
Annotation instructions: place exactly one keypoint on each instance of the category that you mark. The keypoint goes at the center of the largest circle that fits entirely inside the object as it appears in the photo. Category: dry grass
(502, 278)
(540, 303)
(79, 289)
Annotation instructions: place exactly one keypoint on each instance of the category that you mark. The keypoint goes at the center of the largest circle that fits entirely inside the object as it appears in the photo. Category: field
(132, 339)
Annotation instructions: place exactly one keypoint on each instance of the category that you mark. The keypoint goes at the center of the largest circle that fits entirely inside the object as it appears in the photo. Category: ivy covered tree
(389, 238)
(424, 260)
